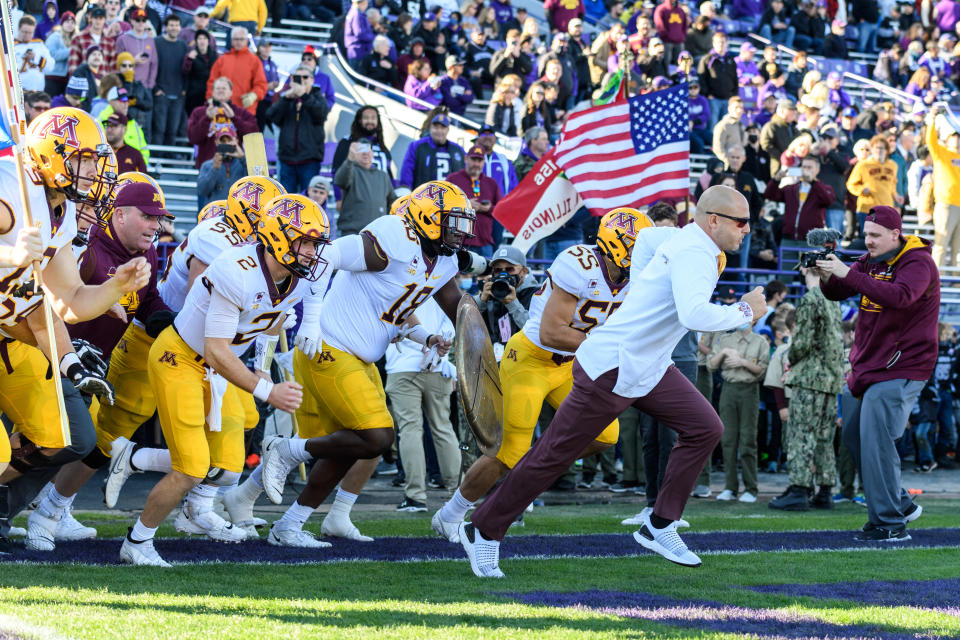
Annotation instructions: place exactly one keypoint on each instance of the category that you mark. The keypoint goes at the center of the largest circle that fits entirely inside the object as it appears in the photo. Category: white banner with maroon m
(542, 202)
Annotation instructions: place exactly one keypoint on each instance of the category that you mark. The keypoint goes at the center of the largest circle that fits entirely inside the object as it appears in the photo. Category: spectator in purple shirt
(931, 60)
(422, 84)
(747, 71)
(837, 95)
(773, 86)
(502, 10)
(357, 33)
(455, 91)
(947, 13)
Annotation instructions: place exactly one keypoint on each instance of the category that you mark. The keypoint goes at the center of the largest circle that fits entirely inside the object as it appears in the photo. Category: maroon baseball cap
(476, 151)
(143, 196)
(886, 217)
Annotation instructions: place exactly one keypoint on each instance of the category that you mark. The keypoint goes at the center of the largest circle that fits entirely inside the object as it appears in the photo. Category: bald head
(724, 215)
(720, 199)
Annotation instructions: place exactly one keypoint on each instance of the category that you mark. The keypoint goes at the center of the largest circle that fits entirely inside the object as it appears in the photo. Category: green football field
(811, 580)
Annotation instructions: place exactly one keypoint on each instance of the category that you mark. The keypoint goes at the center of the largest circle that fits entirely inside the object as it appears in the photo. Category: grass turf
(443, 600)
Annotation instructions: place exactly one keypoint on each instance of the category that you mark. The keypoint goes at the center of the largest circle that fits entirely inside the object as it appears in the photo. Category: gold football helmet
(246, 200)
(294, 230)
(215, 209)
(440, 213)
(68, 151)
(617, 233)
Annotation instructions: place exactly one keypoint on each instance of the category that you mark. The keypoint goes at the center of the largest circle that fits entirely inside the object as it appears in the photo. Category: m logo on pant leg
(169, 358)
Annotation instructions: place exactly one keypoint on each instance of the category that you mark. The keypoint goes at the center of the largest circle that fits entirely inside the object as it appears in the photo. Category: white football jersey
(241, 276)
(579, 271)
(56, 235)
(205, 242)
(363, 310)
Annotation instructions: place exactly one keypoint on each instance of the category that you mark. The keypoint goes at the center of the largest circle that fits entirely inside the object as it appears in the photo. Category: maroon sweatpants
(586, 411)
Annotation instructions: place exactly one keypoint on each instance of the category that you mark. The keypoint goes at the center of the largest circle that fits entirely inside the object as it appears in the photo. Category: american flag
(629, 153)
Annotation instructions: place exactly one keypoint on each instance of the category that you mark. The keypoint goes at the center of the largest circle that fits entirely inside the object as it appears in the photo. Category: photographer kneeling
(894, 354)
(505, 297)
(223, 169)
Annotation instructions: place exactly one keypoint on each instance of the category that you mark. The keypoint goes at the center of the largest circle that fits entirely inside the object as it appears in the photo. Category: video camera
(826, 240)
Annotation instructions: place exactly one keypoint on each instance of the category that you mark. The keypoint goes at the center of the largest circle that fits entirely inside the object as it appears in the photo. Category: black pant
(658, 440)
(83, 438)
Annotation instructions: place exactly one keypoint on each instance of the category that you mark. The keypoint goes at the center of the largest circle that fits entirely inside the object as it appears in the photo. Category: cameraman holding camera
(505, 296)
(223, 169)
(894, 353)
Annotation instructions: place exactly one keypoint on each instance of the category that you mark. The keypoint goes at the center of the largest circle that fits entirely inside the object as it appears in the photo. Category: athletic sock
(298, 450)
(658, 522)
(256, 477)
(455, 510)
(250, 489)
(343, 503)
(55, 505)
(295, 516)
(141, 532)
(147, 459)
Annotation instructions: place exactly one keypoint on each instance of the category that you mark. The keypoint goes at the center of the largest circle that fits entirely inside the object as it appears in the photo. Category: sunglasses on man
(741, 222)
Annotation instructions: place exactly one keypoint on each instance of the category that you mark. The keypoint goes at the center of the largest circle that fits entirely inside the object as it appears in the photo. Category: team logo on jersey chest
(61, 126)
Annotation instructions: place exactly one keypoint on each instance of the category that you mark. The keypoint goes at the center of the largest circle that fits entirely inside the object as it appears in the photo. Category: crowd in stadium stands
(778, 120)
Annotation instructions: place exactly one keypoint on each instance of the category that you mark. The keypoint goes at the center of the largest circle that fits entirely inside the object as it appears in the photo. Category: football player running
(386, 272)
(69, 164)
(244, 292)
(209, 239)
(584, 286)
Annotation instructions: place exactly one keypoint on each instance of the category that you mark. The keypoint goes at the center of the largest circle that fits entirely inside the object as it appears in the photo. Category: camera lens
(500, 285)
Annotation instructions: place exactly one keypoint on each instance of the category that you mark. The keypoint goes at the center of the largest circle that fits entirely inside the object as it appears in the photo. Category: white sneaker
(701, 491)
(41, 531)
(444, 529)
(726, 496)
(141, 553)
(240, 512)
(337, 526)
(638, 519)
(666, 542)
(748, 497)
(207, 523)
(70, 529)
(290, 537)
(276, 466)
(484, 554)
(121, 450)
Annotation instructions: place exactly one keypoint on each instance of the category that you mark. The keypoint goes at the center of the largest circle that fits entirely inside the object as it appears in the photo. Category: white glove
(291, 320)
(447, 369)
(285, 361)
(308, 337)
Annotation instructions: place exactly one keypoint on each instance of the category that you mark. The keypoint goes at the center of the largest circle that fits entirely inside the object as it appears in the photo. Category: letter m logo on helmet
(623, 220)
(250, 193)
(431, 191)
(63, 126)
(287, 209)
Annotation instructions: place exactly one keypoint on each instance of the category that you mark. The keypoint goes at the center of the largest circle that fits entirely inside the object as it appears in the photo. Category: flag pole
(15, 116)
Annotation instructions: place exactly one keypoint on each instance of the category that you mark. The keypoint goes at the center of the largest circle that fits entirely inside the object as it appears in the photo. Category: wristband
(67, 362)
(262, 391)
(746, 310)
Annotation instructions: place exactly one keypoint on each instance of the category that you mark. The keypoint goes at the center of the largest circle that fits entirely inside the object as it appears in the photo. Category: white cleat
(120, 453)
(484, 554)
(41, 532)
(667, 543)
(17, 532)
(444, 529)
(70, 529)
(748, 497)
(40, 496)
(141, 554)
(276, 465)
(240, 512)
(207, 523)
(337, 526)
(292, 537)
